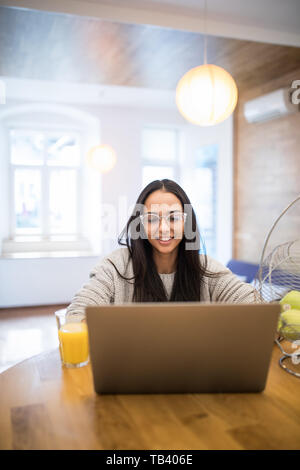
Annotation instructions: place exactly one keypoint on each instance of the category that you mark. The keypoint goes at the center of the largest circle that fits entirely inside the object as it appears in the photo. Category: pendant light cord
(205, 33)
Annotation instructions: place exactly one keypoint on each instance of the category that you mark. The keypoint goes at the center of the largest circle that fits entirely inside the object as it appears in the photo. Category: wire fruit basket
(278, 280)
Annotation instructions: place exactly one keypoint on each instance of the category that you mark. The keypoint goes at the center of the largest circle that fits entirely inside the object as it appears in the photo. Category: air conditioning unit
(270, 106)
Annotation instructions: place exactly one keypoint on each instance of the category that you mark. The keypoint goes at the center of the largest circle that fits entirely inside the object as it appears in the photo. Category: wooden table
(46, 406)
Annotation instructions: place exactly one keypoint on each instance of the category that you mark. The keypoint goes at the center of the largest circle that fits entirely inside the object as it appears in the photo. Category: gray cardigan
(106, 286)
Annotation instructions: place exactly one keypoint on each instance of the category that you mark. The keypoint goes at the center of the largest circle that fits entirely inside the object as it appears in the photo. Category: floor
(25, 332)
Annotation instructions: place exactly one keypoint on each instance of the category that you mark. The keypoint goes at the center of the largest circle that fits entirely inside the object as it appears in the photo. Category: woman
(160, 259)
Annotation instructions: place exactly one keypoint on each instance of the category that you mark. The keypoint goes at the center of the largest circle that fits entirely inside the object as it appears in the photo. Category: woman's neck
(165, 262)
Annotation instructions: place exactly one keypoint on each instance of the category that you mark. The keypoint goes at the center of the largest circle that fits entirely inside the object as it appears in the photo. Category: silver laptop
(182, 347)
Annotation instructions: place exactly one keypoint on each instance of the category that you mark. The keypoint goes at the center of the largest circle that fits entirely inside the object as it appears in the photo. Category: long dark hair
(148, 286)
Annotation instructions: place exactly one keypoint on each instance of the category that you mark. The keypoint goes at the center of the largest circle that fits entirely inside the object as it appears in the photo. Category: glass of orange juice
(73, 339)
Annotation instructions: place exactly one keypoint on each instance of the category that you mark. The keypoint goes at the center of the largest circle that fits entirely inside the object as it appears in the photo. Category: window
(45, 182)
(202, 188)
(159, 154)
(206, 179)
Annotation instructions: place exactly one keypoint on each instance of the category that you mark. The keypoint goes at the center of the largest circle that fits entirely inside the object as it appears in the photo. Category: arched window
(49, 188)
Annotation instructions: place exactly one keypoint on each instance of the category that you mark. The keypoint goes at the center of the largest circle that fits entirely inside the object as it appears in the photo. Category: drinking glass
(73, 339)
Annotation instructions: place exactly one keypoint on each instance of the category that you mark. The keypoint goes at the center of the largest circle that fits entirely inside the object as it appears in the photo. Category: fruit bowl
(278, 280)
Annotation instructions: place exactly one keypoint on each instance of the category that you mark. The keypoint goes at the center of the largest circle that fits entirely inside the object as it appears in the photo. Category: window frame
(162, 163)
(211, 234)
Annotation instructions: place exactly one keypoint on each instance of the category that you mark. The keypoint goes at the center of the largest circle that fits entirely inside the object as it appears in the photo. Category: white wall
(55, 280)
(42, 281)
(121, 127)
(48, 280)
(4, 188)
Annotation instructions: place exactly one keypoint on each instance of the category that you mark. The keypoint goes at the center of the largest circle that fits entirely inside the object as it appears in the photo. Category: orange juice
(74, 347)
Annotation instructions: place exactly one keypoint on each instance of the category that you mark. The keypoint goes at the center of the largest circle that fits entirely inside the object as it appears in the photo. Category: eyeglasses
(171, 219)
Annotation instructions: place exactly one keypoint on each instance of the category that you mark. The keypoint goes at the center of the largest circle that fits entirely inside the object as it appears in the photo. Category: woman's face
(165, 233)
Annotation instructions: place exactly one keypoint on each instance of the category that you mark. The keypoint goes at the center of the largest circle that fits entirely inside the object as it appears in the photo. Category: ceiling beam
(160, 17)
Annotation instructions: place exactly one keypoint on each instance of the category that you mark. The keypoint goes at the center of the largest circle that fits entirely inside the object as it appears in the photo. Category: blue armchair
(244, 270)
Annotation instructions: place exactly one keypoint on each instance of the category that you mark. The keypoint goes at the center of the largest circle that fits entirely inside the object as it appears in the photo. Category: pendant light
(207, 94)
(102, 158)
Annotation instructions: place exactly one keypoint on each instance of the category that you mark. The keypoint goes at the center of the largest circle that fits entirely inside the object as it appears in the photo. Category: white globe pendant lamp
(207, 94)
(102, 158)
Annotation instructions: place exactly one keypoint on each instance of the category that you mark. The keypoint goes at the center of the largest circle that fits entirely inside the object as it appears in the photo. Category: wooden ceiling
(51, 46)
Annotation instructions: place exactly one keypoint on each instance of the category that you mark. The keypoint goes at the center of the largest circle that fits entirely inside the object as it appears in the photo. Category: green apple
(289, 324)
(290, 300)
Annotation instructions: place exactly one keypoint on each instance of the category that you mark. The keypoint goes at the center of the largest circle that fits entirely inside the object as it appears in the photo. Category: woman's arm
(228, 288)
(99, 290)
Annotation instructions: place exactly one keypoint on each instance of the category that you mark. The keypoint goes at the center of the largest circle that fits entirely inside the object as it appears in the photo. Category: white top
(106, 286)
